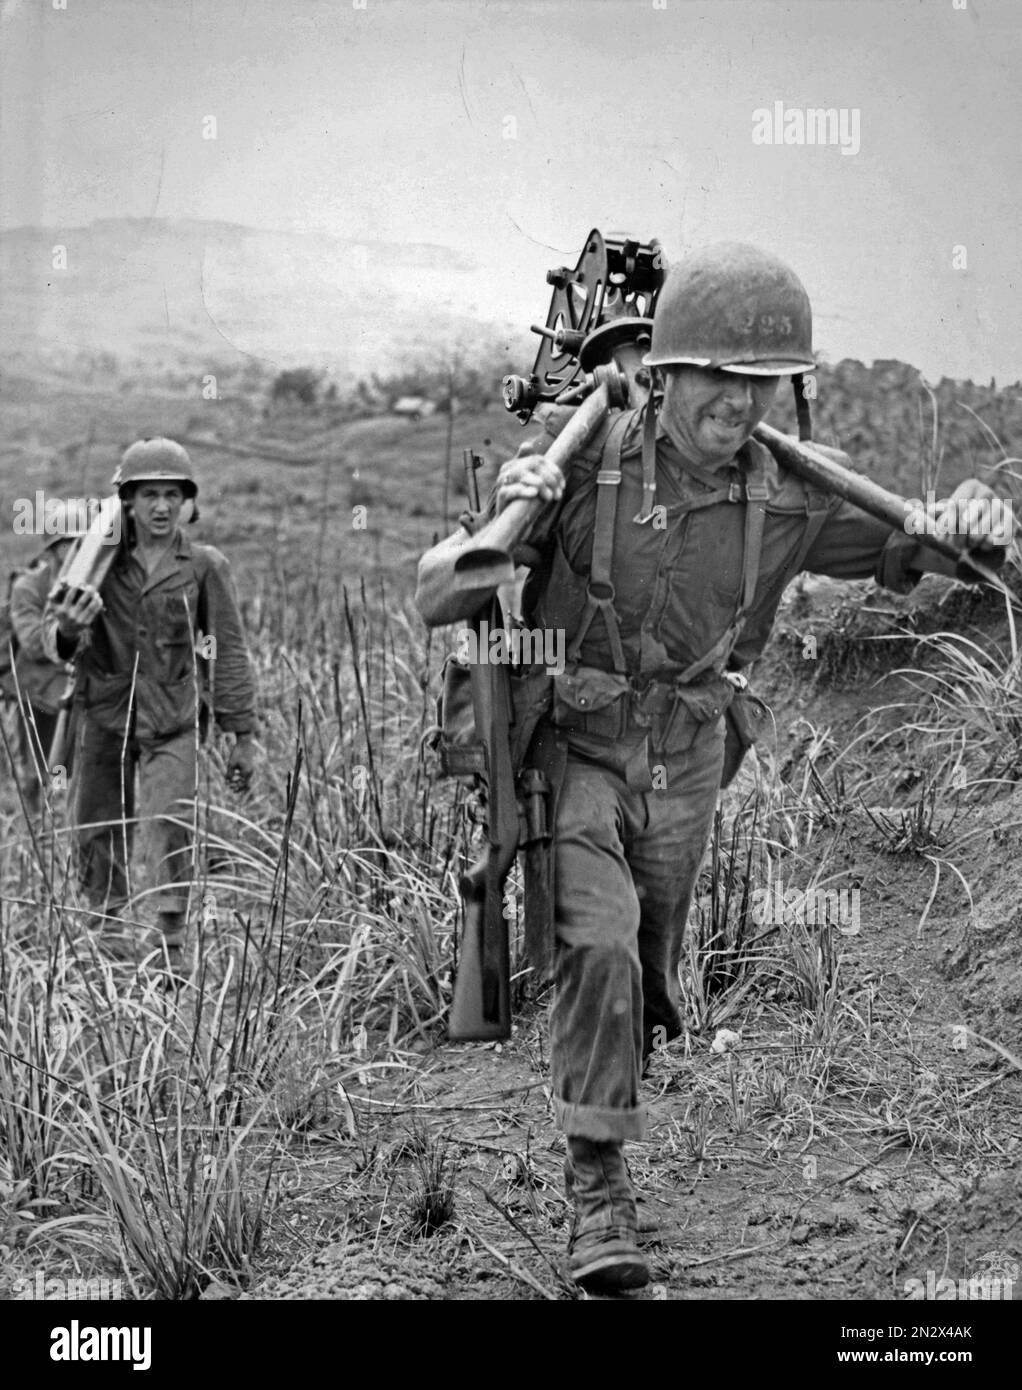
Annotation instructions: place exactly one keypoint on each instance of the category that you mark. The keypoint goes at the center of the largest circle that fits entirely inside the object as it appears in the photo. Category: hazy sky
(505, 130)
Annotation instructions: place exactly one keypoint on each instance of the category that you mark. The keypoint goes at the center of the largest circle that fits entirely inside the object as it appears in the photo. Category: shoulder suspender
(818, 508)
(600, 589)
(755, 521)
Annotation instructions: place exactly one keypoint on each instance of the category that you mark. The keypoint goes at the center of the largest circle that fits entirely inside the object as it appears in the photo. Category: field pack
(8, 641)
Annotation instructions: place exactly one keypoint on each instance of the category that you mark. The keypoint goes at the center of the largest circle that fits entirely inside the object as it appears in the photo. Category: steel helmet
(733, 307)
(156, 461)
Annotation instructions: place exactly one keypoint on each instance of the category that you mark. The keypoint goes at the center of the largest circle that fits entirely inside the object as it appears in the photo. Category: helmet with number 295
(733, 307)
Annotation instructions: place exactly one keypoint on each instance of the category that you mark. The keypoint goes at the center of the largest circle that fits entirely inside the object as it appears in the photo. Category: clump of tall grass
(965, 714)
(322, 910)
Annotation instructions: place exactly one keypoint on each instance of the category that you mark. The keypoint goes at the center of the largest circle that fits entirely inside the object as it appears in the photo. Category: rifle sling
(491, 704)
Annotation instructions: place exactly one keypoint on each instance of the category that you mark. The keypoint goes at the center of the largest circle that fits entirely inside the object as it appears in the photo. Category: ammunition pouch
(532, 693)
(587, 700)
(604, 704)
(454, 737)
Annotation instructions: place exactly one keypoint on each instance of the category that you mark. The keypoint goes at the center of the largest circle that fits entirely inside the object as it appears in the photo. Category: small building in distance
(413, 407)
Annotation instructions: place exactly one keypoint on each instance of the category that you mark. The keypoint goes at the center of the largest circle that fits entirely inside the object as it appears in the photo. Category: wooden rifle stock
(481, 1007)
(57, 755)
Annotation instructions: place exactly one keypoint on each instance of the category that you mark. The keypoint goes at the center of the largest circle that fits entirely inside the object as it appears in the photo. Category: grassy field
(841, 1114)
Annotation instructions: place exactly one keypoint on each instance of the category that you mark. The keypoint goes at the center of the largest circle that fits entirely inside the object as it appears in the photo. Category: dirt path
(863, 1133)
(885, 1152)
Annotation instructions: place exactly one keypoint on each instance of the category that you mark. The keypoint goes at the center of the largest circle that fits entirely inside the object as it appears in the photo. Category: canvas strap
(600, 589)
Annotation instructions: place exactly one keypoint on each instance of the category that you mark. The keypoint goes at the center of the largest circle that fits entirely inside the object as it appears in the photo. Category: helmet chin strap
(645, 512)
(802, 408)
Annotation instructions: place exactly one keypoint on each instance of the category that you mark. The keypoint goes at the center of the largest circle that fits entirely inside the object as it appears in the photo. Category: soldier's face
(709, 414)
(156, 508)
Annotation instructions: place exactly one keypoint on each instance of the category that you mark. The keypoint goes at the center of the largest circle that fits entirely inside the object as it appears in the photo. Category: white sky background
(387, 124)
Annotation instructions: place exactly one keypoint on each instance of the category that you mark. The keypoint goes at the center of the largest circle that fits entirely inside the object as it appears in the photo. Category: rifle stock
(57, 755)
(481, 1007)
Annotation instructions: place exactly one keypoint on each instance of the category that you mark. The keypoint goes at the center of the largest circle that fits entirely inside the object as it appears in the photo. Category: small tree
(300, 384)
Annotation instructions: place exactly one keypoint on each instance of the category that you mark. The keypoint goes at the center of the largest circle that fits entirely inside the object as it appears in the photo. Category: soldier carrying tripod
(662, 552)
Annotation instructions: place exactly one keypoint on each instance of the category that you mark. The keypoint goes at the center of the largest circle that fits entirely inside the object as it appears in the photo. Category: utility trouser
(104, 796)
(32, 749)
(626, 866)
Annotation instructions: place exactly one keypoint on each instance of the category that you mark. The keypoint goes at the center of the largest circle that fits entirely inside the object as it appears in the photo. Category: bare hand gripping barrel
(457, 576)
(591, 346)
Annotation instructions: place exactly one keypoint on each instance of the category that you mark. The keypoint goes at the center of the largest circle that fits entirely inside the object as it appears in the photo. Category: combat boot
(603, 1254)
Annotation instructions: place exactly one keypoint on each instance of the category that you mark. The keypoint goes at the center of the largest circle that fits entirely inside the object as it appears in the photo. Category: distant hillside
(146, 308)
(883, 416)
(162, 294)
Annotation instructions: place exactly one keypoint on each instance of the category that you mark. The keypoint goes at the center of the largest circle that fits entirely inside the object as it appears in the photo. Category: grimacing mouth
(728, 420)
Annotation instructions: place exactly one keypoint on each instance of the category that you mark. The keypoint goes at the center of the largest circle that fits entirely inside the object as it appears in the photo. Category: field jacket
(42, 680)
(163, 644)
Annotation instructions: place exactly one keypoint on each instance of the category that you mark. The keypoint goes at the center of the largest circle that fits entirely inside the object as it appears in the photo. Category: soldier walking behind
(157, 647)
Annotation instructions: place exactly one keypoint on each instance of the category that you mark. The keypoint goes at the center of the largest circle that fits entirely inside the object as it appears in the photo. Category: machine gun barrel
(833, 477)
(462, 572)
(494, 544)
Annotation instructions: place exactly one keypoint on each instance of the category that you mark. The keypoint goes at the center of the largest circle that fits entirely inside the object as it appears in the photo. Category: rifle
(481, 1007)
(57, 756)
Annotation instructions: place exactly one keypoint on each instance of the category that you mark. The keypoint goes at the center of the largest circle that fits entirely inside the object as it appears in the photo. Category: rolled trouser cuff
(600, 1123)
